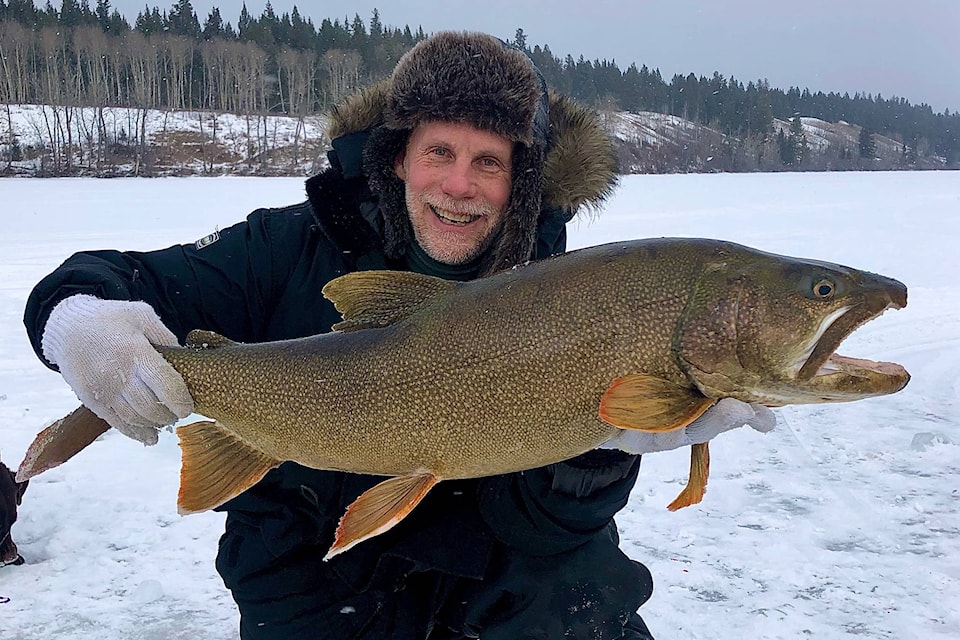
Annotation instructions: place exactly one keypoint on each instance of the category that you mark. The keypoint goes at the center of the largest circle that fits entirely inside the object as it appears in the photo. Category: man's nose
(460, 181)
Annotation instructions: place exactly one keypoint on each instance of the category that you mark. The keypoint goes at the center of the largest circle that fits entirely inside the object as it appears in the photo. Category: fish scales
(469, 386)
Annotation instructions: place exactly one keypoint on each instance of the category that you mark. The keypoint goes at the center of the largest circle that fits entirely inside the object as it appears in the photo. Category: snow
(843, 522)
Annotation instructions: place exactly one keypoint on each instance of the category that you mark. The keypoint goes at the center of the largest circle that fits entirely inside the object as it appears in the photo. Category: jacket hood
(562, 158)
(580, 166)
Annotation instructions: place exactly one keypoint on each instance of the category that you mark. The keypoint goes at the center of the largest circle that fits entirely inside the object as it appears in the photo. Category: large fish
(427, 380)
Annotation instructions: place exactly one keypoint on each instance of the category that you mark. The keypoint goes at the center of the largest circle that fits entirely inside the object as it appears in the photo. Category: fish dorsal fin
(200, 339)
(375, 299)
(379, 508)
(648, 403)
(216, 466)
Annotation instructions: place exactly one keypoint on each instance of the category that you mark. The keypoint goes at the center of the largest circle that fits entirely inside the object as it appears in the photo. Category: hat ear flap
(518, 232)
(380, 154)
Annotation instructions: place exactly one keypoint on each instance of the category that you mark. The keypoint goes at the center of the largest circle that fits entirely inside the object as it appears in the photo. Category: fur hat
(476, 79)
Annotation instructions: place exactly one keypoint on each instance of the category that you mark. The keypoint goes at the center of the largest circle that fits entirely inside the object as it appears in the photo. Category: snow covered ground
(844, 522)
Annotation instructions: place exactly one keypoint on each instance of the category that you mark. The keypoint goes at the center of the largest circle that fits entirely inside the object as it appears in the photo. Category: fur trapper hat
(476, 79)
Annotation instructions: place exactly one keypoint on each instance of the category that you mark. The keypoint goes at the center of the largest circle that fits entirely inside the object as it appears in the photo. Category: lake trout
(428, 380)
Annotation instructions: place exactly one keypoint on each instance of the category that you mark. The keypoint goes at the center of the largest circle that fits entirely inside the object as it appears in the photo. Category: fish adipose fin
(697, 482)
(376, 299)
(379, 508)
(647, 403)
(216, 466)
(61, 441)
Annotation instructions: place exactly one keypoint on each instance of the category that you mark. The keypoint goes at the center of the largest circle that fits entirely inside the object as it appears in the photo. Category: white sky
(908, 49)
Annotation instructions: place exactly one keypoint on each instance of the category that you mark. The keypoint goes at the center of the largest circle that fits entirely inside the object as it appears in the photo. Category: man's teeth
(451, 217)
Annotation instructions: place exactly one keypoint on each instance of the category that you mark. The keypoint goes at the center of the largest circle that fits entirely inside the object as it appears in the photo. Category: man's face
(458, 182)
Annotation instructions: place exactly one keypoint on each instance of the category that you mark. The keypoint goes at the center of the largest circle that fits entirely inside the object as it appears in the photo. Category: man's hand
(104, 351)
(725, 415)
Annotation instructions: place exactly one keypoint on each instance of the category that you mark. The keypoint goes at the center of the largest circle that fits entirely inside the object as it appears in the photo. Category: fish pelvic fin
(60, 441)
(376, 299)
(200, 339)
(379, 508)
(697, 482)
(216, 466)
(648, 403)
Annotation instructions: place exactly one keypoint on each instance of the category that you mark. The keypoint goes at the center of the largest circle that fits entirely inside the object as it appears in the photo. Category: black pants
(590, 593)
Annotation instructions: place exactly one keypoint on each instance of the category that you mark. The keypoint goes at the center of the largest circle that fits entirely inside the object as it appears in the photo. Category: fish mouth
(454, 218)
(844, 374)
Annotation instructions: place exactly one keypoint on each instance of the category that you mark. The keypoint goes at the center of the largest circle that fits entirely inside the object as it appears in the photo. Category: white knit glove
(725, 415)
(103, 349)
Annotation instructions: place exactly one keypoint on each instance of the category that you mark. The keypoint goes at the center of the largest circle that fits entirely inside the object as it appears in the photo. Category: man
(458, 166)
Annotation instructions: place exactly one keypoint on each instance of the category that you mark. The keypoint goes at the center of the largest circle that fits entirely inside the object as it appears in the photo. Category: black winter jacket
(260, 280)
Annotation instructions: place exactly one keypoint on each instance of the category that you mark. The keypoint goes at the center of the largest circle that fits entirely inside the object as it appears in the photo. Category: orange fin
(217, 466)
(61, 441)
(379, 508)
(648, 403)
(697, 482)
(376, 299)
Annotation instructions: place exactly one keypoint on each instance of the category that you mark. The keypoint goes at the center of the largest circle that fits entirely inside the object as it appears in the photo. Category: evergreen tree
(70, 13)
(302, 34)
(149, 21)
(243, 24)
(110, 20)
(520, 40)
(793, 147)
(213, 25)
(376, 27)
(182, 20)
(22, 11)
(868, 144)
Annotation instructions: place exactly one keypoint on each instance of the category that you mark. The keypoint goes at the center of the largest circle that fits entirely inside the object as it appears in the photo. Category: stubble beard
(451, 247)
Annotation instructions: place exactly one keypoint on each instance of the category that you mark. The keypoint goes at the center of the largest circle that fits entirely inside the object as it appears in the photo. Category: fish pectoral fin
(697, 482)
(217, 466)
(200, 339)
(379, 508)
(647, 403)
(376, 299)
(61, 441)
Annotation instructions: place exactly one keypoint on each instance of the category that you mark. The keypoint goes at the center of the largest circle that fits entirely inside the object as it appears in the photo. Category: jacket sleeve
(222, 284)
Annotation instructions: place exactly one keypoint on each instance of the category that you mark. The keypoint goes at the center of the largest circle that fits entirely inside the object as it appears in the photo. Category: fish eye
(824, 289)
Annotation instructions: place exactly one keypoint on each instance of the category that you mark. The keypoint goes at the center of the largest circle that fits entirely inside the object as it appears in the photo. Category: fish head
(764, 328)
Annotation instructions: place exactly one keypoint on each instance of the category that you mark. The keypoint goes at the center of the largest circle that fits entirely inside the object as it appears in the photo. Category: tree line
(83, 55)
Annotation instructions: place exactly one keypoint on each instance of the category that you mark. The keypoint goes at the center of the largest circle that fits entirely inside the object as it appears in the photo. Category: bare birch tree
(343, 68)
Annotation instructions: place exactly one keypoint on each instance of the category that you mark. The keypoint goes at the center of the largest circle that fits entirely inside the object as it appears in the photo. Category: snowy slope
(843, 523)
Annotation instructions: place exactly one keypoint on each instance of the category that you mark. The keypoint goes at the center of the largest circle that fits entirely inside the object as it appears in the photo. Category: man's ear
(398, 167)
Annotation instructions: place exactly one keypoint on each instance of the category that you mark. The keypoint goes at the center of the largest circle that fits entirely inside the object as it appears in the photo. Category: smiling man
(458, 186)
(459, 165)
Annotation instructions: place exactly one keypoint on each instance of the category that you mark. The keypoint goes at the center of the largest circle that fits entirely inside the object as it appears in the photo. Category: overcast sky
(907, 48)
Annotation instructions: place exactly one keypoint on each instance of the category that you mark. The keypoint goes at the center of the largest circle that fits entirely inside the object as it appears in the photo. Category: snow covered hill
(43, 141)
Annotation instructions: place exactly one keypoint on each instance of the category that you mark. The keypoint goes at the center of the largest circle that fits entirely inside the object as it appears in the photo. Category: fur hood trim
(580, 166)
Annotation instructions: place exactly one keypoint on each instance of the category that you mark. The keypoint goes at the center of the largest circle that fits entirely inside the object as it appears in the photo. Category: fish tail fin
(217, 466)
(61, 441)
(697, 482)
(379, 508)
